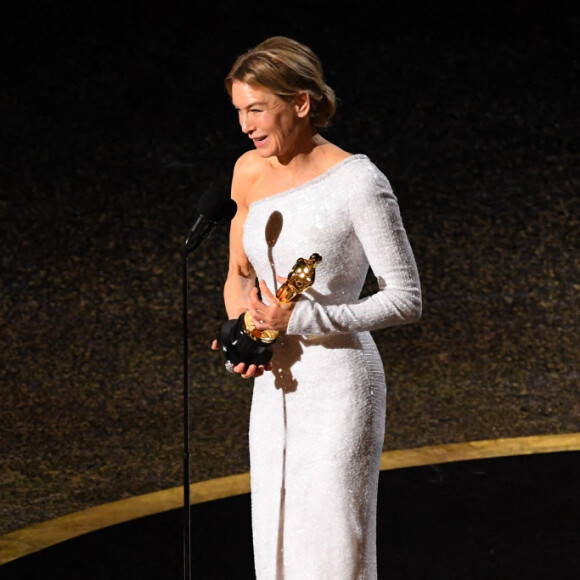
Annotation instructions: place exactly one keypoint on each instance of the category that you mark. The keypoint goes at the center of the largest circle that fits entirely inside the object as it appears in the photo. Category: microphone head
(216, 207)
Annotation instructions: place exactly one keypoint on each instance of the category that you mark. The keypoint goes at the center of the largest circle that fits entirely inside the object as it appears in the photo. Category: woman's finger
(266, 292)
(240, 368)
(254, 300)
(259, 371)
(250, 372)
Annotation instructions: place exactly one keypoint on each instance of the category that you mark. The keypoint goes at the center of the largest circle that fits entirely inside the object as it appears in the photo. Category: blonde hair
(285, 67)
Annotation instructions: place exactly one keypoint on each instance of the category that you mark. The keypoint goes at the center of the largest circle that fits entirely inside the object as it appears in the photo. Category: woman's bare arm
(241, 278)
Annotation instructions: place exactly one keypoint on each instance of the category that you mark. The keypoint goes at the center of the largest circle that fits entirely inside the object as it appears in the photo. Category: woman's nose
(244, 123)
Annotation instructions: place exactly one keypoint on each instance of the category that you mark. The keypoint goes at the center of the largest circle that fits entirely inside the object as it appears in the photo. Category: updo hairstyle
(286, 67)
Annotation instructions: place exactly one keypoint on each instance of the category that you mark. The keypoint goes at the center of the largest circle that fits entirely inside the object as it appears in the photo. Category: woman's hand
(272, 316)
(252, 371)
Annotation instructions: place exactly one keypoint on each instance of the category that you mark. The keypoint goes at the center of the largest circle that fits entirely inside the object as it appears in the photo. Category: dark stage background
(115, 121)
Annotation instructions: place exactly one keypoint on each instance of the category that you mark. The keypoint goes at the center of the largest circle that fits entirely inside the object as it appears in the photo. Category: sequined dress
(317, 422)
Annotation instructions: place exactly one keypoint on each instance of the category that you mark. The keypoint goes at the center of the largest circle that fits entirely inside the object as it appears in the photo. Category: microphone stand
(186, 447)
(203, 227)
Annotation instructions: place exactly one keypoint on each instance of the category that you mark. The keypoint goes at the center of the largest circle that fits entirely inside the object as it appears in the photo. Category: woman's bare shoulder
(247, 170)
(249, 162)
(332, 154)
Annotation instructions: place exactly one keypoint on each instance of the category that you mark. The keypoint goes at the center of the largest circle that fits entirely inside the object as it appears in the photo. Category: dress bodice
(350, 217)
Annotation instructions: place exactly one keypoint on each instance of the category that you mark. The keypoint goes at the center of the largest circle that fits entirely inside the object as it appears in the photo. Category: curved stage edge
(42, 535)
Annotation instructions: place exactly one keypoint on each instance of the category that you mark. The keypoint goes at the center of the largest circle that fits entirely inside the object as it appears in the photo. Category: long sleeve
(376, 221)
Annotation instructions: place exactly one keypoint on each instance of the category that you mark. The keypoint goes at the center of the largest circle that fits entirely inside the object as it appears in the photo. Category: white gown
(317, 422)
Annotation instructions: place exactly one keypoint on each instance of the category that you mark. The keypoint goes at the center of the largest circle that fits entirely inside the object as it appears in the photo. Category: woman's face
(270, 122)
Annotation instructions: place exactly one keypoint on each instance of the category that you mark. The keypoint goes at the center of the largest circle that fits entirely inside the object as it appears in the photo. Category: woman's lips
(259, 141)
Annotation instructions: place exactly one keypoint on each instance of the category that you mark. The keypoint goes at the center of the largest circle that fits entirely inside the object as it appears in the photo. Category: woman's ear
(302, 104)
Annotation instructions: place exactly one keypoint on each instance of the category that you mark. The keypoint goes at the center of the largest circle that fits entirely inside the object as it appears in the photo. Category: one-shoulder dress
(317, 421)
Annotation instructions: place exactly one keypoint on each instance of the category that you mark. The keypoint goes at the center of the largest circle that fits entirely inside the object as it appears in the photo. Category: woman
(318, 409)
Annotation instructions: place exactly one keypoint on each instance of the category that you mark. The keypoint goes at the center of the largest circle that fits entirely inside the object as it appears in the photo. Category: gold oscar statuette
(234, 334)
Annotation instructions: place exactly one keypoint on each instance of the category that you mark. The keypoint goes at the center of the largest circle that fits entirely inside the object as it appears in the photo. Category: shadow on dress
(283, 379)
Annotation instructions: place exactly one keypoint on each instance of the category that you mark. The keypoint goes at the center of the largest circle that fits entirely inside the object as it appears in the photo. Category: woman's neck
(302, 152)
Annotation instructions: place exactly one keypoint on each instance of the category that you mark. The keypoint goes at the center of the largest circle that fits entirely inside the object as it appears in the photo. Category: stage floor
(503, 519)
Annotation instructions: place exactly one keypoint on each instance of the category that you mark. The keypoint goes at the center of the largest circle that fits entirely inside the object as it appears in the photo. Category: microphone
(214, 210)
